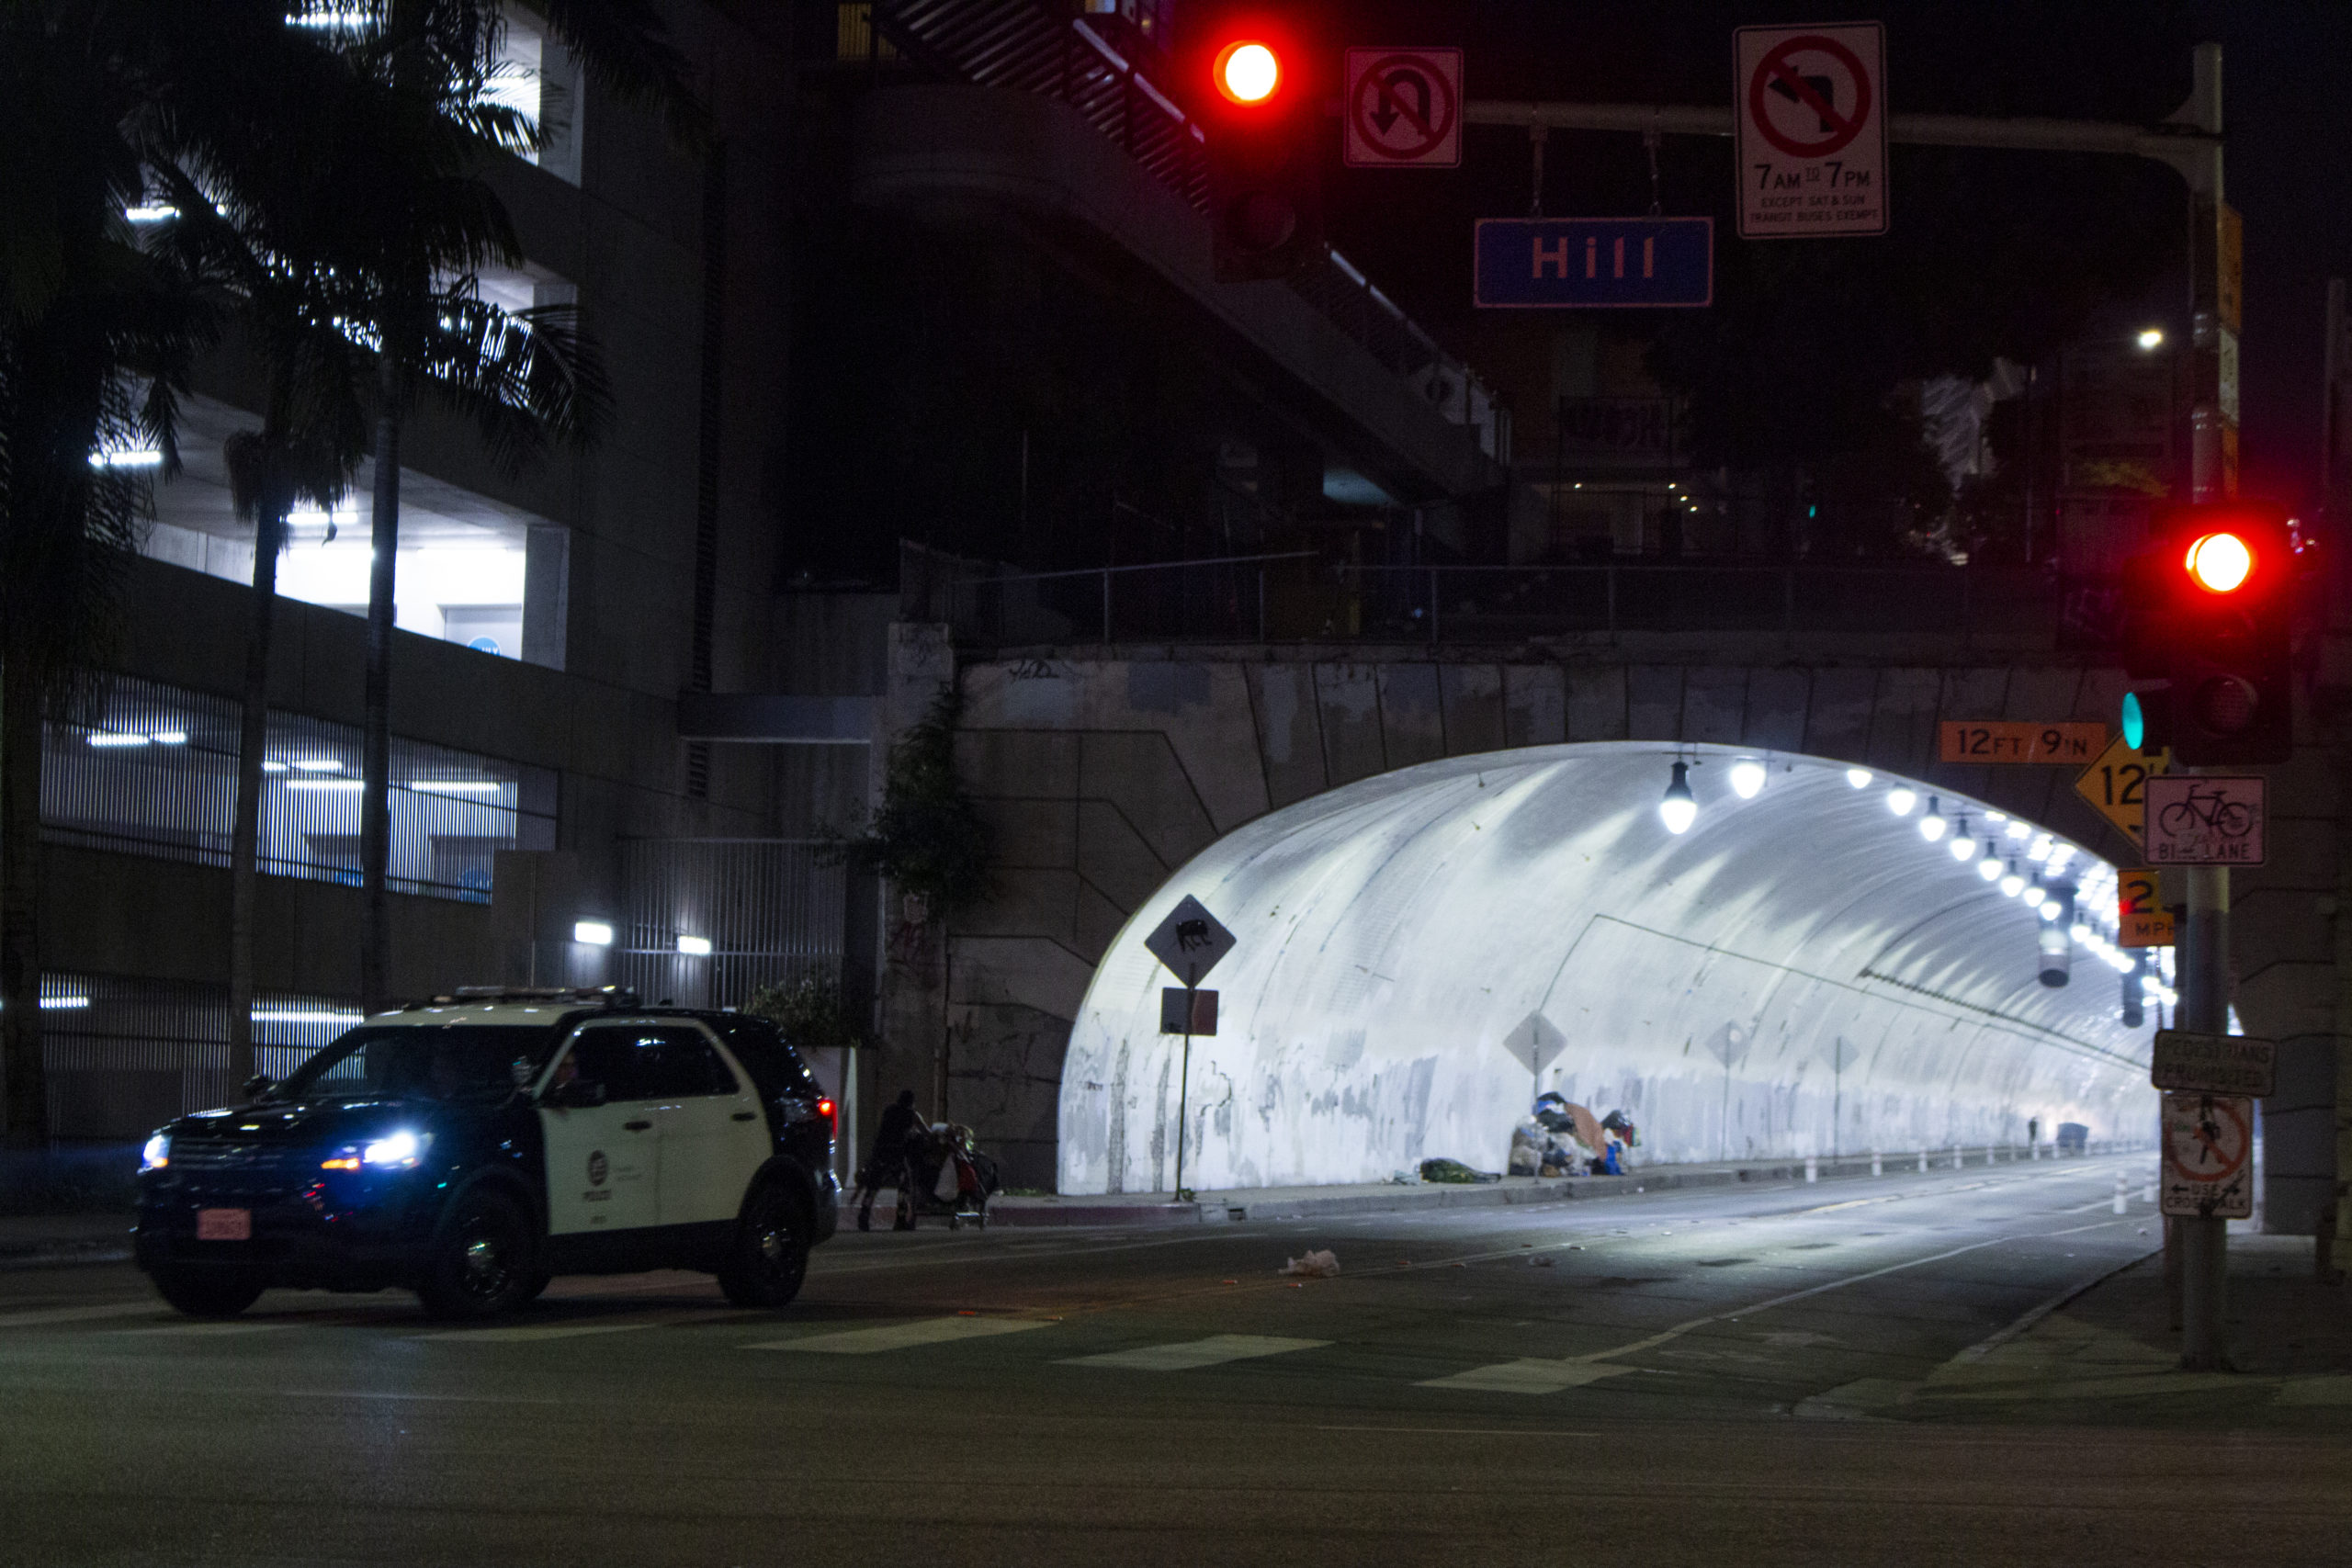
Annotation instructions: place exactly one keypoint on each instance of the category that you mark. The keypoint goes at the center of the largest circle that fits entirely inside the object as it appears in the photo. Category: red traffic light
(1247, 70)
(2219, 562)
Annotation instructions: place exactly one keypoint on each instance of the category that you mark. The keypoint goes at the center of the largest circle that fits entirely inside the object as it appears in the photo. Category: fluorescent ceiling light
(326, 784)
(106, 737)
(135, 457)
(596, 933)
(317, 765)
(169, 737)
(456, 786)
(299, 1015)
(695, 946)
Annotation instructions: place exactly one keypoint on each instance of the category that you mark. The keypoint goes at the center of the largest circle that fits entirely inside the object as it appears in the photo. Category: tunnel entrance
(1808, 969)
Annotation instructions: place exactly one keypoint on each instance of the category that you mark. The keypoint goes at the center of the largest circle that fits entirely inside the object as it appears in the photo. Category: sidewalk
(64, 1238)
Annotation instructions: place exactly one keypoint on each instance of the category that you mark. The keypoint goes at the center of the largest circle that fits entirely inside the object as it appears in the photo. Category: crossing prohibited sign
(1404, 108)
(2208, 1141)
(1812, 118)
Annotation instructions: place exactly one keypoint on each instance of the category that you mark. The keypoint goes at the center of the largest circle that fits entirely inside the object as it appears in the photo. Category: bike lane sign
(2199, 819)
(2208, 1141)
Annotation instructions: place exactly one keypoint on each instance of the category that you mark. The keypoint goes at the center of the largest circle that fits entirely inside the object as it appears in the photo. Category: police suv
(473, 1146)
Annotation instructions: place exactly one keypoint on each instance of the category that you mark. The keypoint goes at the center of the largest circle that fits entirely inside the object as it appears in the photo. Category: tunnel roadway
(1859, 1371)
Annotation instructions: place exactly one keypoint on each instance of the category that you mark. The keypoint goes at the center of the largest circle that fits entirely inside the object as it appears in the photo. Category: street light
(1680, 809)
(2150, 337)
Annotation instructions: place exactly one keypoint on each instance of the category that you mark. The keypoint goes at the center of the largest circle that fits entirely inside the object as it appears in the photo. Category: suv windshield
(451, 1061)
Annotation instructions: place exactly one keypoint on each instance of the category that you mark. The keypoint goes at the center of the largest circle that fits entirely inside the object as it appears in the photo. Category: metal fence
(123, 1055)
(156, 774)
(710, 920)
(1301, 596)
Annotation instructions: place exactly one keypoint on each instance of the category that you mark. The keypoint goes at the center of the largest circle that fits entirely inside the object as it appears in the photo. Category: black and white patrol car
(473, 1146)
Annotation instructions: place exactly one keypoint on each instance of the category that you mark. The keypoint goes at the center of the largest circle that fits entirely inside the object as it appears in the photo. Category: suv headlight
(395, 1151)
(157, 1154)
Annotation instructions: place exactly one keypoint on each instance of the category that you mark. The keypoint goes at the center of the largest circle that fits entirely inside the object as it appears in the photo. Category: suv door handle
(637, 1126)
(747, 1116)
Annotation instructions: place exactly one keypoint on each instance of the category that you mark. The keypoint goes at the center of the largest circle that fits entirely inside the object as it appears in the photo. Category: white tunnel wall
(1420, 952)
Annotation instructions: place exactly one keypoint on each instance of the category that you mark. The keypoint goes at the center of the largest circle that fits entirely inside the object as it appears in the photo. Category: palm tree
(95, 339)
(522, 377)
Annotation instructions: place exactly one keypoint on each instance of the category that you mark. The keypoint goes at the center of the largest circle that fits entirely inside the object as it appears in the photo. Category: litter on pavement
(1319, 1265)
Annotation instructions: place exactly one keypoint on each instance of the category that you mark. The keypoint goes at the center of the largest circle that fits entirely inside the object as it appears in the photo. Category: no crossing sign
(1812, 117)
(1404, 108)
(2207, 1140)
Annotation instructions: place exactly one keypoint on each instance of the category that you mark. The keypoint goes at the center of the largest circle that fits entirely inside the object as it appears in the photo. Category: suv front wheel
(481, 1263)
(771, 1255)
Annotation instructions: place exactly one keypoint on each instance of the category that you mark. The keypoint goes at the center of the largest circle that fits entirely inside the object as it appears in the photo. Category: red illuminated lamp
(2219, 562)
(1246, 72)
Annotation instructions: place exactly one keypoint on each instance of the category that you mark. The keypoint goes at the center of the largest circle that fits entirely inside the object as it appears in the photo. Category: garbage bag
(1318, 1265)
(1453, 1170)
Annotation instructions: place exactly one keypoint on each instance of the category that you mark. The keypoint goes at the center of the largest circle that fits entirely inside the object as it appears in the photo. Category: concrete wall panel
(1839, 724)
(1777, 703)
(1290, 731)
(1653, 702)
(1348, 697)
(1474, 708)
(1715, 706)
(1535, 705)
(1412, 714)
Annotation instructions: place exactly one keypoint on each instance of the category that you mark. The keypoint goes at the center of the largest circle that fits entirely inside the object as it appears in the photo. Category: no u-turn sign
(1811, 109)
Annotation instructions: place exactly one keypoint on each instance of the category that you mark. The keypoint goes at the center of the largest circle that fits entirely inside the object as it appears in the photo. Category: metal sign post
(1190, 942)
(2205, 1009)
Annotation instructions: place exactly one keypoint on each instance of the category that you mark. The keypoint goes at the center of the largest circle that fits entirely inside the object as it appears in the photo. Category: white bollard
(2033, 1151)
(2148, 1194)
(1958, 1160)
(1812, 1168)
(1923, 1162)
(1878, 1165)
(2122, 1193)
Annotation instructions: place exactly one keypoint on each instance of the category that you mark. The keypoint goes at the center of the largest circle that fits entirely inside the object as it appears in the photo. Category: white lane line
(903, 1336)
(81, 1314)
(1182, 1356)
(207, 1330)
(1529, 1375)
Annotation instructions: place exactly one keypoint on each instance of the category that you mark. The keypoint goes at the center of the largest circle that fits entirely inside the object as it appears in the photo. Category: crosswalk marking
(902, 1336)
(80, 1314)
(1184, 1355)
(1528, 1375)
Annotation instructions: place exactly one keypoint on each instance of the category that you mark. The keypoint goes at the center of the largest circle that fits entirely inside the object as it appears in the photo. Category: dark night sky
(2285, 66)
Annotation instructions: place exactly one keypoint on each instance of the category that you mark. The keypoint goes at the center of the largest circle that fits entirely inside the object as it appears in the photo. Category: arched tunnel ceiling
(1420, 952)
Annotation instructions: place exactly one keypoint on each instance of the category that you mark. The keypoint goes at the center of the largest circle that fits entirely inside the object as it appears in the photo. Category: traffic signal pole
(2203, 1239)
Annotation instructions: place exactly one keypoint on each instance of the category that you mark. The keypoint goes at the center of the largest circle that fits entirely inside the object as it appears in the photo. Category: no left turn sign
(1404, 108)
(1812, 131)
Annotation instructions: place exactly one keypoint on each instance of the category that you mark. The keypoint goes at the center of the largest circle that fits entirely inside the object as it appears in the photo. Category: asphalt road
(1848, 1373)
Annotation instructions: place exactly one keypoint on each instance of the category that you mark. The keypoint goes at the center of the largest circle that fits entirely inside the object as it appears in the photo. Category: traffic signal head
(1264, 135)
(2209, 611)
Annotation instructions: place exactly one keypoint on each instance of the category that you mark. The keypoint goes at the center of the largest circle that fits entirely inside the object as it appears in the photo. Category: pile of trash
(1453, 1170)
(1559, 1138)
(1319, 1265)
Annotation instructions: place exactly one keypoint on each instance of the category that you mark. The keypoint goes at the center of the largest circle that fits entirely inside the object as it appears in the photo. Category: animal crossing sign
(1812, 122)
(1190, 941)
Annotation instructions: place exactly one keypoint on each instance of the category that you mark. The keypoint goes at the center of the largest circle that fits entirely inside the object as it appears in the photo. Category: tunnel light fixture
(1746, 778)
(2013, 883)
(2016, 830)
(1859, 778)
(1900, 800)
(695, 946)
(2083, 934)
(2048, 909)
(594, 934)
(456, 786)
(1989, 868)
(1681, 808)
(2059, 855)
(1963, 843)
(1992, 816)
(2039, 848)
(326, 784)
(317, 765)
(1932, 827)
(104, 738)
(2035, 895)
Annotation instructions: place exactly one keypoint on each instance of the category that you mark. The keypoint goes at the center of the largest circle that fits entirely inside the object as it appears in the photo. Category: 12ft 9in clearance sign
(1811, 109)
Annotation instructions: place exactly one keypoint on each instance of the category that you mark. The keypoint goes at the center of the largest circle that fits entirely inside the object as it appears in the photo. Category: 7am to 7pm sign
(1595, 262)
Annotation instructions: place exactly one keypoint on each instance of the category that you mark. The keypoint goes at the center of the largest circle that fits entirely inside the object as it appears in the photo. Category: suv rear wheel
(481, 1263)
(201, 1291)
(771, 1255)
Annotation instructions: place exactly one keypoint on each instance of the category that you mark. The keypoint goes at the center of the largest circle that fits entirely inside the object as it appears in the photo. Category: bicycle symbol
(2209, 809)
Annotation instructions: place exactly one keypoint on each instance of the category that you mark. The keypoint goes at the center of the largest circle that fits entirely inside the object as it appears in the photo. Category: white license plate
(224, 1224)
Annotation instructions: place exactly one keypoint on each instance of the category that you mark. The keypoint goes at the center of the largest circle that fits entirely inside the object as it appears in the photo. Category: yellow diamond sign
(2116, 785)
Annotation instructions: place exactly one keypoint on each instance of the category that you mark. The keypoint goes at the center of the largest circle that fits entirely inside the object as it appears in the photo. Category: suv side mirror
(580, 1094)
(257, 1085)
